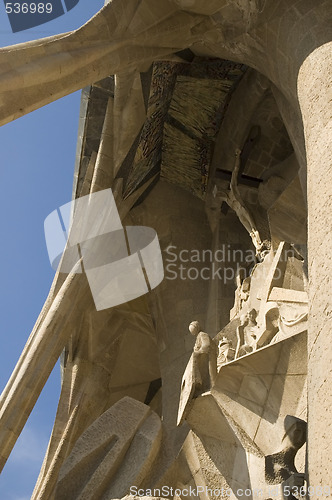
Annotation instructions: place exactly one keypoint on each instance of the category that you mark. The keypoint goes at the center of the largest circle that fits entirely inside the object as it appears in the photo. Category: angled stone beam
(37, 361)
(53, 327)
(58, 281)
(121, 36)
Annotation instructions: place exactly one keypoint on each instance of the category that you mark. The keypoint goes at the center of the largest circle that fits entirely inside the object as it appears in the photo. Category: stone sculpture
(191, 76)
(225, 352)
(293, 319)
(241, 292)
(280, 467)
(201, 370)
(234, 199)
(247, 333)
(204, 355)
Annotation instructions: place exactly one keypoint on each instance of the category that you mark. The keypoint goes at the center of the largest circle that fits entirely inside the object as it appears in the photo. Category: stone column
(315, 92)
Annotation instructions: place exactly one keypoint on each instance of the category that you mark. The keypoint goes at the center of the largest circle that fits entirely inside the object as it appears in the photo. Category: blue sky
(36, 166)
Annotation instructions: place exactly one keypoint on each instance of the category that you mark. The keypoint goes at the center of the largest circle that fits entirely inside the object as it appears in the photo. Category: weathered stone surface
(114, 453)
(183, 88)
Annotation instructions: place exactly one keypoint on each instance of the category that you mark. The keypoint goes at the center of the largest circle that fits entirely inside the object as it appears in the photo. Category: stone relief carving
(271, 303)
(225, 352)
(292, 319)
(270, 311)
(234, 422)
(247, 333)
(241, 292)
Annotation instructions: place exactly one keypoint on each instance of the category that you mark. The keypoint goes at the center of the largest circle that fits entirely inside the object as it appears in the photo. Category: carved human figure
(204, 359)
(201, 371)
(247, 333)
(241, 293)
(225, 352)
(245, 290)
(264, 250)
(292, 319)
(280, 467)
(234, 200)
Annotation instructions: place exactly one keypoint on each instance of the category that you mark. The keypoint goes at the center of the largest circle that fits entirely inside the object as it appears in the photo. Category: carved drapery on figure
(201, 371)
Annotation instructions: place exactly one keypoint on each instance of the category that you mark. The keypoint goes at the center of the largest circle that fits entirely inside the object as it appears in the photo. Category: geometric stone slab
(91, 467)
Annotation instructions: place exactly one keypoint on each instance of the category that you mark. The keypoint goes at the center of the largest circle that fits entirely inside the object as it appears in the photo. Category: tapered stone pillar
(315, 92)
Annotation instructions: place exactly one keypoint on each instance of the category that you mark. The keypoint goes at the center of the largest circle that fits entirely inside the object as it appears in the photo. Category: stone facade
(211, 123)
